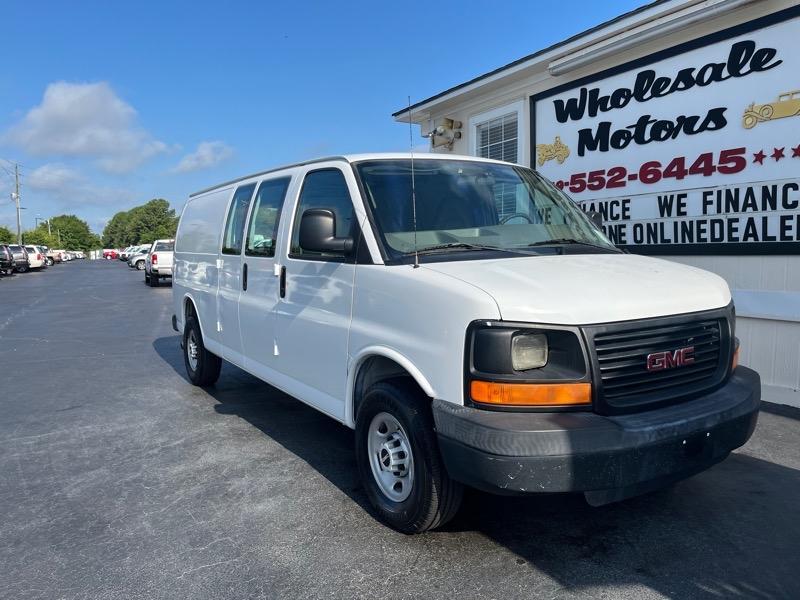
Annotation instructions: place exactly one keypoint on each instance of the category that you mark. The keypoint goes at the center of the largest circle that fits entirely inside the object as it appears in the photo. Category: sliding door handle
(244, 277)
(283, 282)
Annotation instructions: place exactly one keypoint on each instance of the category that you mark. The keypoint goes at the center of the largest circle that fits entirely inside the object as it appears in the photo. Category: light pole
(15, 198)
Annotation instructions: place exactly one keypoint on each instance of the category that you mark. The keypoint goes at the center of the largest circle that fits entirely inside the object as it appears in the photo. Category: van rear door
(230, 279)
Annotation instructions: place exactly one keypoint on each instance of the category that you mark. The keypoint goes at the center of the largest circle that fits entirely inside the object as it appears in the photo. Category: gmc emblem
(658, 361)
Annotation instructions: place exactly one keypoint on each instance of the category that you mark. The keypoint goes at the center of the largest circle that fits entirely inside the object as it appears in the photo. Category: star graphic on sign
(759, 157)
(778, 153)
(796, 151)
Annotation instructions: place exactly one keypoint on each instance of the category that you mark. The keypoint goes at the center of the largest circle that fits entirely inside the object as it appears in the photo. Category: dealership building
(678, 122)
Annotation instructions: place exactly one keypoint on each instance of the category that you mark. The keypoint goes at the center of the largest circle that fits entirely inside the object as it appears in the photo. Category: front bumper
(608, 457)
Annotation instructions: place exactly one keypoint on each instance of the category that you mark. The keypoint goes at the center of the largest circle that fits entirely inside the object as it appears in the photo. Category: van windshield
(470, 205)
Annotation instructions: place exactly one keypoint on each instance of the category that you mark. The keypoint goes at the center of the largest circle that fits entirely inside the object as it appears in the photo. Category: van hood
(583, 289)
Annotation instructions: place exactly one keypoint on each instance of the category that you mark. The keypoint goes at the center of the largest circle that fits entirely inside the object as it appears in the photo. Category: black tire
(146, 278)
(434, 498)
(22, 269)
(140, 265)
(153, 280)
(206, 371)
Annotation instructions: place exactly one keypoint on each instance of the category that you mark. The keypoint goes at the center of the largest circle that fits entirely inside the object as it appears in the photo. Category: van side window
(262, 232)
(234, 225)
(325, 188)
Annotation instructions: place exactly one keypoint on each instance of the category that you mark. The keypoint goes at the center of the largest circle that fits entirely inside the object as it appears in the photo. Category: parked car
(49, 257)
(125, 253)
(36, 257)
(396, 296)
(110, 254)
(6, 260)
(59, 255)
(21, 261)
(158, 263)
(138, 258)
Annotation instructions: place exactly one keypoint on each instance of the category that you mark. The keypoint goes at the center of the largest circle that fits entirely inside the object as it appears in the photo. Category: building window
(499, 134)
(498, 138)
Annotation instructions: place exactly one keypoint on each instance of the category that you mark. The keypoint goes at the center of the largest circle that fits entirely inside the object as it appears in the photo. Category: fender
(188, 296)
(357, 362)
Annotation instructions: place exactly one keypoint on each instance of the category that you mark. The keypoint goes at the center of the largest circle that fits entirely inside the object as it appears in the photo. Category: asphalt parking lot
(118, 479)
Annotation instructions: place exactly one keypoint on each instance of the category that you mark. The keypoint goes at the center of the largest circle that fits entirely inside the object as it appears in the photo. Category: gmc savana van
(469, 322)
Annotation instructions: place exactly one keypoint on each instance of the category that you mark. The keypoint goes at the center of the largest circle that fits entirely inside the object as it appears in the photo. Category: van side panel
(417, 314)
(195, 272)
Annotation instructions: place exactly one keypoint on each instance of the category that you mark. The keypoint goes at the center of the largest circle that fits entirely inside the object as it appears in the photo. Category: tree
(116, 230)
(40, 237)
(152, 221)
(72, 233)
(6, 236)
(141, 224)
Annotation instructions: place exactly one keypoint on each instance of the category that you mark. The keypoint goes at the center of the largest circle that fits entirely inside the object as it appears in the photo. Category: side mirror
(596, 218)
(318, 233)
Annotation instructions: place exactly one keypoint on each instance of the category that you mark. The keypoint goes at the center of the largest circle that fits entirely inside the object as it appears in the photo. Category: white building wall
(766, 290)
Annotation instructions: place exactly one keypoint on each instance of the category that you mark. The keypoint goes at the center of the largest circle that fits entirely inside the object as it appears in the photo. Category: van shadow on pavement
(732, 531)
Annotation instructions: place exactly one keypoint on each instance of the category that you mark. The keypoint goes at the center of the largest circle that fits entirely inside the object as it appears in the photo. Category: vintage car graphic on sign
(787, 105)
(557, 150)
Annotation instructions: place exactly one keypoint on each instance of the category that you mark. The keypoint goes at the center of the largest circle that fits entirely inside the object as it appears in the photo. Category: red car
(110, 254)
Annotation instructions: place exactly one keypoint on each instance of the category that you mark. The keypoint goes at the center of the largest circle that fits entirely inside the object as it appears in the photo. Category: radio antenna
(413, 186)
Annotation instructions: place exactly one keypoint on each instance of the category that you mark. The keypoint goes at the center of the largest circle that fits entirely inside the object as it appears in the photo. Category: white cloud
(69, 187)
(85, 119)
(53, 178)
(208, 154)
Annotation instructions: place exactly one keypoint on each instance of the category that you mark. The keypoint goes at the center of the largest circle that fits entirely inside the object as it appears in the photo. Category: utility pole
(15, 195)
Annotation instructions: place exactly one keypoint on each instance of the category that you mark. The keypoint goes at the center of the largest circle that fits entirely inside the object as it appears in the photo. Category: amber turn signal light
(531, 394)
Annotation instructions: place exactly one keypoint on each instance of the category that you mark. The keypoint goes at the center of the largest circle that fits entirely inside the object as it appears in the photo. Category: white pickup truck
(158, 263)
(469, 322)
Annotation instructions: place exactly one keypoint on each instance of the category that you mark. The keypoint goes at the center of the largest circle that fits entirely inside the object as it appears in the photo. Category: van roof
(351, 158)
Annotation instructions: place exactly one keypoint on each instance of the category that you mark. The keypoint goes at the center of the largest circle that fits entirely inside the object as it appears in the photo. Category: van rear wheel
(398, 459)
(202, 366)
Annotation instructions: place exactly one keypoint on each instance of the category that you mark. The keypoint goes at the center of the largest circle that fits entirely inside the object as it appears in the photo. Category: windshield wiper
(563, 241)
(454, 246)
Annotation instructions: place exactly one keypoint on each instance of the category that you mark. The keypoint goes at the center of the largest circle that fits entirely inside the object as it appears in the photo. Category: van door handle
(283, 282)
(244, 277)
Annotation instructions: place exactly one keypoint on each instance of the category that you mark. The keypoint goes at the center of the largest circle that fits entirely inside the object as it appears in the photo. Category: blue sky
(107, 105)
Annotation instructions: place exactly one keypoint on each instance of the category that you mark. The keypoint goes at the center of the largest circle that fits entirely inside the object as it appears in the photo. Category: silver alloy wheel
(140, 265)
(390, 457)
(192, 350)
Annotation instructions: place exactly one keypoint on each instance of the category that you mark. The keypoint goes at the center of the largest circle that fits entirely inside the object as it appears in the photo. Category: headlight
(513, 365)
(528, 351)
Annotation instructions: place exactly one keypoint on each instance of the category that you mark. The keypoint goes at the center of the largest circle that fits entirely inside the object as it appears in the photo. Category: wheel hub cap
(390, 457)
(192, 351)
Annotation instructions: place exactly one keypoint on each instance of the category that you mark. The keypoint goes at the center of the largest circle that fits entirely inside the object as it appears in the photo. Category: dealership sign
(696, 149)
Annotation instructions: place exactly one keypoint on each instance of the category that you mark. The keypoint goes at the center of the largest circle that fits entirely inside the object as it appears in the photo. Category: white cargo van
(469, 322)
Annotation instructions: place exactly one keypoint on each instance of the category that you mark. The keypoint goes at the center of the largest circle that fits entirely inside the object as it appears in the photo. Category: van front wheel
(398, 459)
(202, 366)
